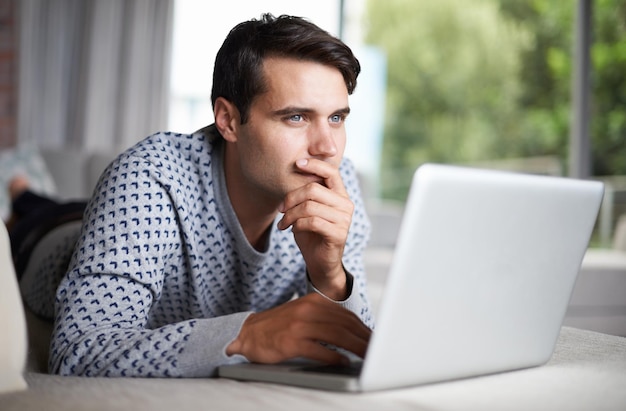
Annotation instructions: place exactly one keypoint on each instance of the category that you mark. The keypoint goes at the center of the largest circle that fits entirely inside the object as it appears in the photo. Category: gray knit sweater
(162, 276)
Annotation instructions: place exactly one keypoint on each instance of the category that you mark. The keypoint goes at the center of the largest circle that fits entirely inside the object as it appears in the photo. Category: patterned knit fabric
(46, 267)
(163, 277)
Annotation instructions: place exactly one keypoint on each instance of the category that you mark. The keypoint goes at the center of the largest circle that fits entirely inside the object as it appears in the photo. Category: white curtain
(93, 74)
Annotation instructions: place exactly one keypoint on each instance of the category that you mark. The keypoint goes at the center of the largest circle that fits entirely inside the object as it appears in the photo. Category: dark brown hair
(238, 71)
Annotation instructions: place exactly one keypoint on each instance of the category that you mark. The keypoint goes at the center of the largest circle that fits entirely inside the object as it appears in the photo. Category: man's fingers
(311, 202)
(342, 338)
(334, 325)
(328, 172)
(317, 308)
(331, 335)
(317, 352)
(317, 193)
(296, 329)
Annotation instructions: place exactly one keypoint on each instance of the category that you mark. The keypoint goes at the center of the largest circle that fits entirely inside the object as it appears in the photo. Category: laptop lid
(481, 277)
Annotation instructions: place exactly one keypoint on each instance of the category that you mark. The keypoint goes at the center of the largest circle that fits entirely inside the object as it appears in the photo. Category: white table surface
(586, 372)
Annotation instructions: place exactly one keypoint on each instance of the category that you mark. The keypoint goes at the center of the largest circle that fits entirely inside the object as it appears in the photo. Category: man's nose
(323, 141)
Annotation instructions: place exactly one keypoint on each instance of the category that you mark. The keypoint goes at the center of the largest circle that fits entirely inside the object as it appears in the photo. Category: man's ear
(226, 118)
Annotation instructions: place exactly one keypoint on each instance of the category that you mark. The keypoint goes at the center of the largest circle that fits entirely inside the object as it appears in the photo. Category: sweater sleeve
(104, 334)
(131, 243)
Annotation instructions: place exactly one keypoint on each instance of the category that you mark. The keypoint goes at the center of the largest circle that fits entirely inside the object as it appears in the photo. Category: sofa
(62, 173)
(586, 371)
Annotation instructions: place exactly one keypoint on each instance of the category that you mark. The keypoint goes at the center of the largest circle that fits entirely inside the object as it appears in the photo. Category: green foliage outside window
(477, 80)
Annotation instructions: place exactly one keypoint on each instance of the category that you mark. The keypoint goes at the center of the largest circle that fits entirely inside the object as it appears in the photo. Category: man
(193, 246)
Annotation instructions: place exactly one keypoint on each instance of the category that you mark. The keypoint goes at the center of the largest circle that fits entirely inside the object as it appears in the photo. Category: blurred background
(536, 86)
(531, 85)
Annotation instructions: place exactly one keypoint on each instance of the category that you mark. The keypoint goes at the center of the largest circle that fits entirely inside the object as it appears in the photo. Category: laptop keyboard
(354, 369)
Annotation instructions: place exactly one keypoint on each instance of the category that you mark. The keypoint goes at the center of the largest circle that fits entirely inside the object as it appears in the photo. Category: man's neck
(255, 212)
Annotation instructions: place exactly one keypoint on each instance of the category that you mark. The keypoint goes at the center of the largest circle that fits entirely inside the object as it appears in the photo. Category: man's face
(300, 116)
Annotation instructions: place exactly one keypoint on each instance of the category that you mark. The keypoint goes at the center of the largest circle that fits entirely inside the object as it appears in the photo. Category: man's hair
(238, 73)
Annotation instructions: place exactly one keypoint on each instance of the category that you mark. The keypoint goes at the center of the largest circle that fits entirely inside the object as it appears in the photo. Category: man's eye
(296, 118)
(337, 118)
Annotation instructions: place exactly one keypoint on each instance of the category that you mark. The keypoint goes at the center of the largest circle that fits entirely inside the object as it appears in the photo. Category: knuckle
(306, 224)
(346, 219)
(312, 189)
(309, 207)
(314, 222)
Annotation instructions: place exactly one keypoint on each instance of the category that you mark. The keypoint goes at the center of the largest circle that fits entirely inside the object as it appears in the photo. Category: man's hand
(295, 329)
(320, 215)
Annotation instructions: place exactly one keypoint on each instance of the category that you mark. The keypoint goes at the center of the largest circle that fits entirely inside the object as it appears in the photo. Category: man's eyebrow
(295, 110)
(345, 111)
(292, 110)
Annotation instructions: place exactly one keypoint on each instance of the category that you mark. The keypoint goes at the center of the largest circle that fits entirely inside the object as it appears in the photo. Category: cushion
(13, 340)
(23, 160)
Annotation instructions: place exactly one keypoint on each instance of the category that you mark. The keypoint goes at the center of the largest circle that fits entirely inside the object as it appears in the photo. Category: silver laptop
(481, 277)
